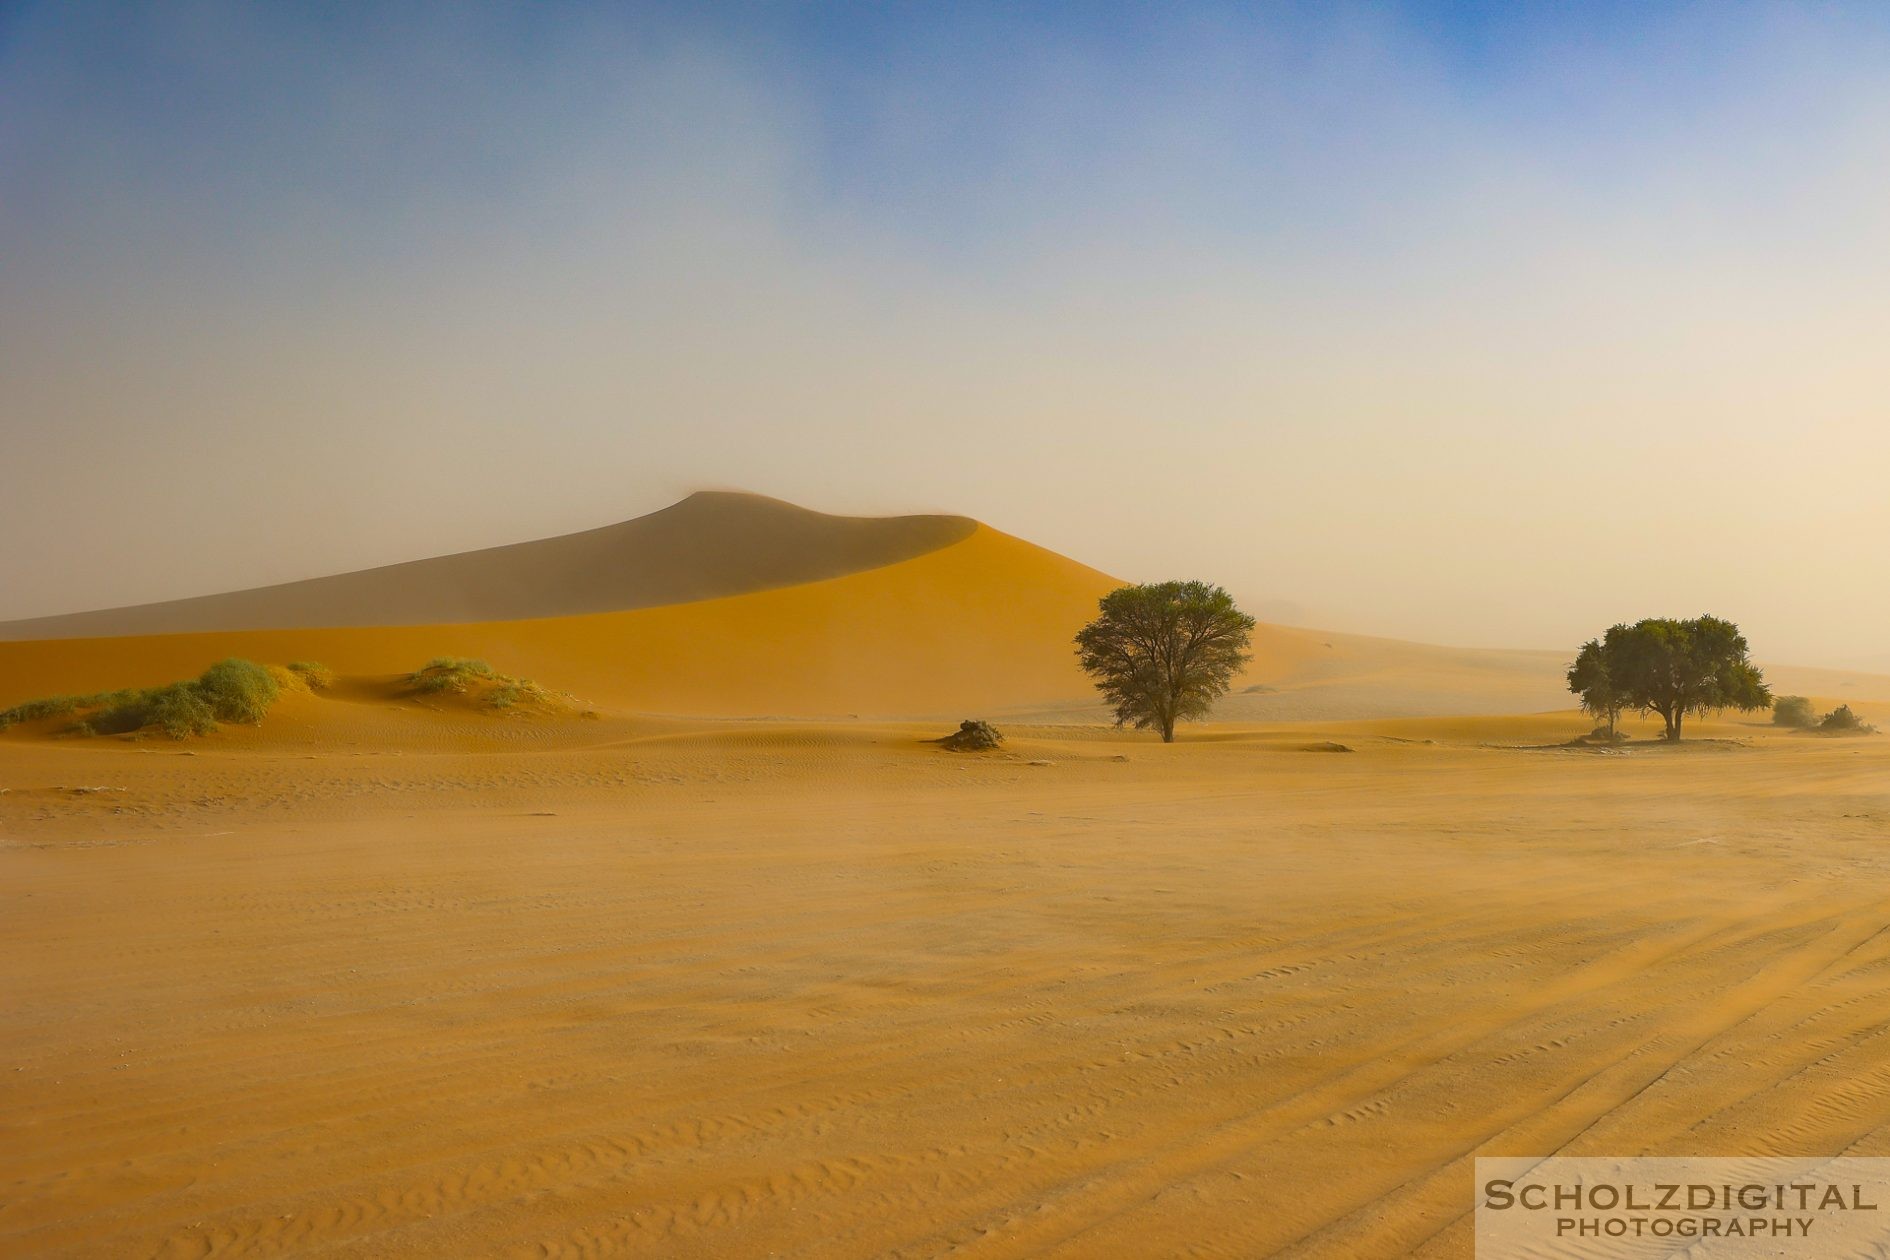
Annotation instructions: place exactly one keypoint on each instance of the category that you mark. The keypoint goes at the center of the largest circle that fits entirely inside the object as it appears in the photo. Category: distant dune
(709, 545)
(982, 622)
(1315, 675)
(731, 605)
(1302, 674)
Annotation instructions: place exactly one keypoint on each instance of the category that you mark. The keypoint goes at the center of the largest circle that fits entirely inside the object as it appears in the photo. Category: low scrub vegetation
(1841, 721)
(973, 735)
(511, 694)
(483, 685)
(237, 690)
(1795, 712)
(233, 690)
(1798, 713)
(61, 706)
(451, 673)
(314, 675)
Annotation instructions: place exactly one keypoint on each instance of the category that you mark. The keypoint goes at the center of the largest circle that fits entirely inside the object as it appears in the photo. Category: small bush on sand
(973, 736)
(461, 665)
(1841, 721)
(448, 673)
(486, 687)
(1795, 712)
(178, 710)
(316, 675)
(512, 692)
(237, 691)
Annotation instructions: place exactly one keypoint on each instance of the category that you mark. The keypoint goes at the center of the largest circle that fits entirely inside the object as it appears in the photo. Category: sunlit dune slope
(979, 624)
(709, 545)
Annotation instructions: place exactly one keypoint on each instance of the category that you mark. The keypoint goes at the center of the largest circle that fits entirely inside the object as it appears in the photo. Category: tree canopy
(1673, 668)
(1590, 679)
(1164, 652)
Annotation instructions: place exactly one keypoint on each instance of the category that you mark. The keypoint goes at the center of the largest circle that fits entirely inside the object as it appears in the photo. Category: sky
(1480, 324)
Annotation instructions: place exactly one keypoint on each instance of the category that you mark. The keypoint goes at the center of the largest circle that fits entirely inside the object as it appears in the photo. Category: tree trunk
(1679, 716)
(1168, 730)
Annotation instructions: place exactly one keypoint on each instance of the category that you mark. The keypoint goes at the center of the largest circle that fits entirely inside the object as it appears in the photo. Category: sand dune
(818, 616)
(980, 623)
(391, 987)
(709, 545)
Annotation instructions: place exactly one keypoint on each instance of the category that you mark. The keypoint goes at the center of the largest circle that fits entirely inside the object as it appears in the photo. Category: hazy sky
(1479, 324)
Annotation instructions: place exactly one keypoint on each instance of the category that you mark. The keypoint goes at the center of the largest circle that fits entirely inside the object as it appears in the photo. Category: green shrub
(317, 675)
(1795, 712)
(460, 665)
(516, 691)
(482, 685)
(1842, 721)
(180, 709)
(34, 710)
(59, 706)
(236, 690)
(448, 673)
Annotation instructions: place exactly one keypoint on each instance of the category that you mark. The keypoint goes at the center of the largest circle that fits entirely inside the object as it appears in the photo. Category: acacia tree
(1164, 652)
(1674, 668)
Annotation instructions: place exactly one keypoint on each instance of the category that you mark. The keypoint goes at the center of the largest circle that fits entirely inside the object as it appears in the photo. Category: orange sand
(379, 980)
(389, 976)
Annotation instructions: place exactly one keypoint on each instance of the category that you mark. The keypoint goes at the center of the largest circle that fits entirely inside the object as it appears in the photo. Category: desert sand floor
(740, 990)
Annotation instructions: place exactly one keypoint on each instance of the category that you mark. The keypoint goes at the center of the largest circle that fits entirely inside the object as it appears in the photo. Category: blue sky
(1371, 312)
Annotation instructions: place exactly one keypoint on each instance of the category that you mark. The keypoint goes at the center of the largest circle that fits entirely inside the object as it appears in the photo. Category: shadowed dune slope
(978, 624)
(709, 545)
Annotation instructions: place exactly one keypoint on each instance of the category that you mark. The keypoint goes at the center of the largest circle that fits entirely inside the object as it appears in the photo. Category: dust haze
(1401, 332)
